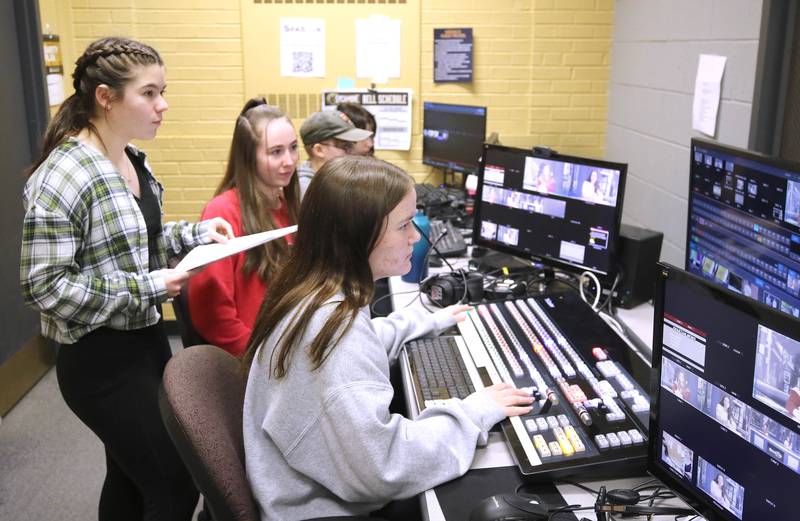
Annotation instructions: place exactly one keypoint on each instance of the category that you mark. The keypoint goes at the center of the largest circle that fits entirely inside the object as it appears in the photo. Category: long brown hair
(108, 61)
(341, 220)
(241, 173)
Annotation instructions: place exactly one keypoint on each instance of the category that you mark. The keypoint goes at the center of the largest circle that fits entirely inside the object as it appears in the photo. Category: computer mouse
(510, 507)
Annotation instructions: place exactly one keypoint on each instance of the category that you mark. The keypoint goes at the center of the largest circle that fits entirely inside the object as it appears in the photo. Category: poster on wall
(391, 108)
(303, 47)
(377, 48)
(54, 69)
(452, 55)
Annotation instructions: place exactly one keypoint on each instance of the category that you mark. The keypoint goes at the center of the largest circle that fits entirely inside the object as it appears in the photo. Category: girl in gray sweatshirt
(319, 437)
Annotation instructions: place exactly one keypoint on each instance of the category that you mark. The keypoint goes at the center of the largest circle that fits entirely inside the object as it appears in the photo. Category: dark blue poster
(452, 55)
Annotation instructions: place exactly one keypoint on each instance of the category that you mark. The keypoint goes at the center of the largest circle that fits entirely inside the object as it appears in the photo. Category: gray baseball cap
(327, 124)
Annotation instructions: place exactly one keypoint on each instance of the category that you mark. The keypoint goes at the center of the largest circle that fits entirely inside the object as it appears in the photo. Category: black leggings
(110, 380)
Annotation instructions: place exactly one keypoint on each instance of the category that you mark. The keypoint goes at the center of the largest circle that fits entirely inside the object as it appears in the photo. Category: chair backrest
(180, 304)
(201, 399)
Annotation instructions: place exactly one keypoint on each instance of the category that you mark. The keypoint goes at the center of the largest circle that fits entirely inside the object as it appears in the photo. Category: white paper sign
(55, 89)
(391, 108)
(378, 48)
(707, 88)
(303, 47)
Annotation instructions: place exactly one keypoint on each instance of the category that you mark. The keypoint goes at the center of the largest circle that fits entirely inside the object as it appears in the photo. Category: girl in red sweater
(259, 192)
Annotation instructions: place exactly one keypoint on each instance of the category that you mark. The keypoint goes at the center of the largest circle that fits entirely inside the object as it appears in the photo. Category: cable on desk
(566, 509)
(372, 304)
(578, 485)
(598, 288)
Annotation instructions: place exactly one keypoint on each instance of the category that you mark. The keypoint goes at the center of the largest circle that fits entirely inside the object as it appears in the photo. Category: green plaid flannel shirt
(85, 261)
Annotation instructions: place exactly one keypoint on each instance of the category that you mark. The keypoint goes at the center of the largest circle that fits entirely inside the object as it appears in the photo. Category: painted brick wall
(200, 42)
(541, 68)
(653, 67)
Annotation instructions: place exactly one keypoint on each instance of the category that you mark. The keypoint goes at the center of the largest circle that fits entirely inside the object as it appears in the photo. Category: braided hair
(110, 61)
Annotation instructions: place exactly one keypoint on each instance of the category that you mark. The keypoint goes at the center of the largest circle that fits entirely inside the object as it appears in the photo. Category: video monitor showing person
(725, 421)
(744, 223)
(453, 136)
(562, 210)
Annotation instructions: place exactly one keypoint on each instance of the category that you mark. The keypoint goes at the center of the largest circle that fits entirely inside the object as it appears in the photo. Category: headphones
(446, 289)
(623, 501)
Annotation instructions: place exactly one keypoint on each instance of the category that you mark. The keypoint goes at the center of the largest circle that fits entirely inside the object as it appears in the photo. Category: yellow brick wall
(540, 66)
(200, 42)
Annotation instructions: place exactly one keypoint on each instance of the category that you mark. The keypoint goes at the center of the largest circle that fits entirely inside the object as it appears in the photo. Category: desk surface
(496, 453)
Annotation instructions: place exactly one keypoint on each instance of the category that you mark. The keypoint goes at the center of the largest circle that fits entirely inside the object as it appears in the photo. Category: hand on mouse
(513, 401)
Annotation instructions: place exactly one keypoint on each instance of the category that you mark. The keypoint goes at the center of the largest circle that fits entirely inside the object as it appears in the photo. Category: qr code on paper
(302, 62)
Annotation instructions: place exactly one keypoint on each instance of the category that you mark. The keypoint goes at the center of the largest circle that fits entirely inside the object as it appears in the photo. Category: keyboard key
(530, 424)
(636, 436)
(624, 438)
(555, 448)
(613, 440)
(542, 423)
(601, 441)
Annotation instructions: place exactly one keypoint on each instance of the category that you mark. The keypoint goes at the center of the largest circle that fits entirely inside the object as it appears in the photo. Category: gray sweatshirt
(304, 176)
(323, 443)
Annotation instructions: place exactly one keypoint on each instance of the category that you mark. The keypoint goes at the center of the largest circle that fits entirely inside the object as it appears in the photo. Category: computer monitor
(561, 210)
(725, 416)
(452, 136)
(744, 223)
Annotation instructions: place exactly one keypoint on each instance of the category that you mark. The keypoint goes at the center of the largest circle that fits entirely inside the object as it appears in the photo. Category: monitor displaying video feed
(453, 136)
(561, 210)
(725, 420)
(744, 223)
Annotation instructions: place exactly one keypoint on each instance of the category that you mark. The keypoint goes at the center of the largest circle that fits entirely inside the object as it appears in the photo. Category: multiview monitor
(561, 210)
(725, 416)
(453, 135)
(744, 223)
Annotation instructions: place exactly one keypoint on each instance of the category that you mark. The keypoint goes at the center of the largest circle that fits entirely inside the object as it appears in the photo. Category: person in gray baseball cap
(326, 135)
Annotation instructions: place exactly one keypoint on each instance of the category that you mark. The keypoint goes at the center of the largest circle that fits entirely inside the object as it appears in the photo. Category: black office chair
(189, 335)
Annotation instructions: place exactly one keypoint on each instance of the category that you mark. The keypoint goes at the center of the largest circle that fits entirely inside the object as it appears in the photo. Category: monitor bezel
(760, 311)
(606, 278)
(460, 169)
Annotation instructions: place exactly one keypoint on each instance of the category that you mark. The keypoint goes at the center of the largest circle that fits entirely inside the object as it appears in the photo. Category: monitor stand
(495, 261)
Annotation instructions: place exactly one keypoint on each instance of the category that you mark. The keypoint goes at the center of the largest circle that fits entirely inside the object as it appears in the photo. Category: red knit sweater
(223, 301)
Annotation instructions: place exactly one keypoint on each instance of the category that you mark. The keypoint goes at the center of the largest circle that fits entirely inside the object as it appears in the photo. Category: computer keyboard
(439, 370)
(452, 243)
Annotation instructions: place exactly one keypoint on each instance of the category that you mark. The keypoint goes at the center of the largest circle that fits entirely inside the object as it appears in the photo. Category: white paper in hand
(208, 253)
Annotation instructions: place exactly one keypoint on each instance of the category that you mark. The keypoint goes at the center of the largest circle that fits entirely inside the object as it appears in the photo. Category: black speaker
(638, 253)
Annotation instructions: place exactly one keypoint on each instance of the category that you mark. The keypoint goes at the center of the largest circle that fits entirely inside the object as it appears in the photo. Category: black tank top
(147, 201)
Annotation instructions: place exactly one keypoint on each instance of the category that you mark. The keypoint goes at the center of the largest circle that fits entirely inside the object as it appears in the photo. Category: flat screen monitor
(744, 223)
(452, 136)
(561, 210)
(725, 416)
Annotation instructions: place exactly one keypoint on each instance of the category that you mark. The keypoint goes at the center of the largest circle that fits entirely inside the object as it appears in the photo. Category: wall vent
(296, 106)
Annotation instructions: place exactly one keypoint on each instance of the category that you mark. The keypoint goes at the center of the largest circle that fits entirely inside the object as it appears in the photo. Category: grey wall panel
(655, 50)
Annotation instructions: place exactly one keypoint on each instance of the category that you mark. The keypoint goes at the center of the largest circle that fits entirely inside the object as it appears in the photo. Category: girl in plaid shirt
(94, 262)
